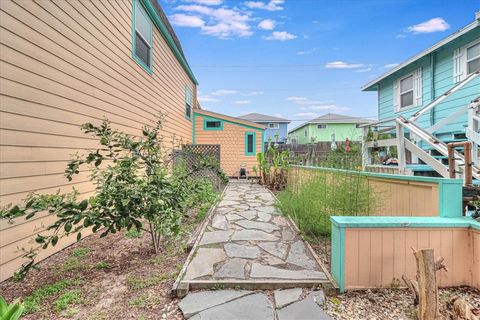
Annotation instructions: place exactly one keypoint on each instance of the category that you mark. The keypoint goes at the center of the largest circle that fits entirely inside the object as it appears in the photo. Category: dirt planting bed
(116, 277)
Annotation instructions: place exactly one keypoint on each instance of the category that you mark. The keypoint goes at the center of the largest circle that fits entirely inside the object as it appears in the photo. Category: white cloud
(296, 98)
(306, 115)
(306, 104)
(343, 65)
(223, 92)
(243, 102)
(278, 115)
(400, 36)
(184, 20)
(300, 53)
(267, 24)
(207, 99)
(364, 70)
(433, 25)
(206, 2)
(253, 93)
(272, 5)
(280, 36)
(390, 65)
(219, 22)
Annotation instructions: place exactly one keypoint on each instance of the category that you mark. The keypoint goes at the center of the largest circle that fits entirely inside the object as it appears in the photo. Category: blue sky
(299, 59)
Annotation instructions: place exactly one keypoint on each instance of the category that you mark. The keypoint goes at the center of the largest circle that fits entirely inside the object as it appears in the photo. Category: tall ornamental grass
(313, 196)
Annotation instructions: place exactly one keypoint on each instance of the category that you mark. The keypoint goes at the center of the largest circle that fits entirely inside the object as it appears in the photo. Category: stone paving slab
(290, 304)
(198, 301)
(250, 242)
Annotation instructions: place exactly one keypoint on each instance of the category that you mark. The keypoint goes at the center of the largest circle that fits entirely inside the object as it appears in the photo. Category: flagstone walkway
(247, 244)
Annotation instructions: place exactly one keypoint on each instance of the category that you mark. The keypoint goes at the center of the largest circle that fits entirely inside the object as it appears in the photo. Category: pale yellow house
(240, 140)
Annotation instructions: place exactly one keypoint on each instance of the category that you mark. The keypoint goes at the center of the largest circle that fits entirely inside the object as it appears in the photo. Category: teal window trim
(254, 147)
(163, 30)
(205, 120)
(194, 124)
(148, 69)
(232, 122)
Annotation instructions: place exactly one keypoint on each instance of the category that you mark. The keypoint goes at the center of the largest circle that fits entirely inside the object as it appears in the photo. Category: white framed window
(273, 125)
(466, 60)
(143, 37)
(473, 58)
(321, 126)
(305, 132)
(407, 91)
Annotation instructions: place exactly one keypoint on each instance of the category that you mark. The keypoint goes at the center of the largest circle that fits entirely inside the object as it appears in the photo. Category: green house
(327, 127)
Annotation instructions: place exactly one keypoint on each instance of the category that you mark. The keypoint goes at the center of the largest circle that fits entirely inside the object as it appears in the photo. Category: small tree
(135, 183)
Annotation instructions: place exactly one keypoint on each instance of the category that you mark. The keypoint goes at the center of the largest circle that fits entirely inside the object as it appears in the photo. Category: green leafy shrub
(11, 311)
(135, 185)
(312, 200)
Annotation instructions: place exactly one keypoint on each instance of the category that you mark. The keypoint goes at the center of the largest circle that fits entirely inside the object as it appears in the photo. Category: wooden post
(400, 148)
(473, 125)
(366, 155)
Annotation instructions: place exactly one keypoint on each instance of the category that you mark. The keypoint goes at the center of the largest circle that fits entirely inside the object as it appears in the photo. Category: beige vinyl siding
(65, 63)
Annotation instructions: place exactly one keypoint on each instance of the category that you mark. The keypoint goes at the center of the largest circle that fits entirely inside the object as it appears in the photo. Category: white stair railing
(432, 141)
(473, 126)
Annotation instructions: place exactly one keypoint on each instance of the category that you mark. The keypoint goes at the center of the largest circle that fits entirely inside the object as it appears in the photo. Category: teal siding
(442, 61)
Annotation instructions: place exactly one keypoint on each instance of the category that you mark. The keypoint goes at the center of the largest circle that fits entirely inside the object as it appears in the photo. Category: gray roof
(334, 118)
(258, 117)
(167, 24)
(338, 118)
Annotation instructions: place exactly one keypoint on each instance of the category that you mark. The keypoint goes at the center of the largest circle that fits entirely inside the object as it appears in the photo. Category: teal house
(328, 127)
(430, 100)
(275, 127)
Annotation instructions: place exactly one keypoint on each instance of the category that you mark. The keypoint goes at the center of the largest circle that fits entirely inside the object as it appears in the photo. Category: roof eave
(371, 86)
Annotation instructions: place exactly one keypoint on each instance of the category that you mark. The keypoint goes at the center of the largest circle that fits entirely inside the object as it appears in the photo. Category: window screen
(142, 50)
(188, 102)
(143, 35)
(250, 143)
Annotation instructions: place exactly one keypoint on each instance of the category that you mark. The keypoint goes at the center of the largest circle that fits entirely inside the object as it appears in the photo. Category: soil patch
(116, 277)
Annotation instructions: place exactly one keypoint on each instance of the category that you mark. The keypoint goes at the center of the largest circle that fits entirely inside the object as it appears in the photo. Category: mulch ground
(395, 304)
(116, 277)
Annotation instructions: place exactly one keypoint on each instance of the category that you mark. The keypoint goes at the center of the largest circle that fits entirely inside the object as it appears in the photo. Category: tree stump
(427, 285)
(424, 288)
